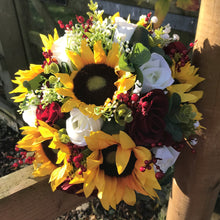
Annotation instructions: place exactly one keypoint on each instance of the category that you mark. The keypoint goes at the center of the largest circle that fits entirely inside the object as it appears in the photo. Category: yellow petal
(65, 80)
(122, 159)
(197, 95)
(60, 157)
(100, 182)
(113, 56)
(198, 116)
(129, 196)
(119, 192)
(19, 98)
(99, 140)
(86, 53)
(68, 105)
(78, 179)
(55, 36)
(125, 141)
(94, 160)
(117, 14)
(76, 59)
(142, 153)
(99, 53)
(89, 184)
(65, 92)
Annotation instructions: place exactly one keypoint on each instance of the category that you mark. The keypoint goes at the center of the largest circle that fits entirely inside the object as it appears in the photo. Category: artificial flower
(29, 115)
(79, 125)
(148, 125)
(124, 30)
(23, 77)
(156, 74)
(49, 114)
(167, 157)
(113, 168)
(59, 50)
(96, 74)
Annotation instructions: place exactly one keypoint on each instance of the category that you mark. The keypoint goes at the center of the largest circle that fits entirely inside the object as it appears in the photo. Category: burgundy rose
(175, 47)
(148, 125)
(50, 114)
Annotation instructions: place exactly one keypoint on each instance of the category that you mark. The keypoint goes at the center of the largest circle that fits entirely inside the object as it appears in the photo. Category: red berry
(15, 165)
(16, 149)
(20, 162)
(60, 22)
(142, 169)
(159, 175)
(134, 97)
(77, 165)
(80, 172)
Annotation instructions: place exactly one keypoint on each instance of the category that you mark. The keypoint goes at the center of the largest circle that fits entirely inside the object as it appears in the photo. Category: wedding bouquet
(110, 108)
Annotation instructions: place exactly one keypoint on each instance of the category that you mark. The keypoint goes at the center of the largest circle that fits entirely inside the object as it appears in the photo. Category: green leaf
(65, 68)
(188, 5)
(140, 55)
(174, 130)
(139, 75)
(124, 64)
(111, 127)
(34, 83)
(161, 9)
(174, 104)
(158, 50)
(140, 35)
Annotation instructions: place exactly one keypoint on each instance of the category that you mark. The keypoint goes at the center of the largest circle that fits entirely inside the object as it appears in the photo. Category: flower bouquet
(110, 108)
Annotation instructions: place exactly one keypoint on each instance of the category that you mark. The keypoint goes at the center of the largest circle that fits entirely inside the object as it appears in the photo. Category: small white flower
(156, 73)
(176, 37)
(142, 17)
(124, 30)
(168, 156)
(167, 29)
(78, 126)
(29, 115)
(59, 50)
(154, 19)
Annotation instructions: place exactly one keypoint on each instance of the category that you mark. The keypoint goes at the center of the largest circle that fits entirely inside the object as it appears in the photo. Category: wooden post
(23, 197)
(196, 182)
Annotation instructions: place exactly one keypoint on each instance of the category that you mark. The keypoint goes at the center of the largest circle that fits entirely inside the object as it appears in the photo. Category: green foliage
(111, 127)
(123, 115)
(140, 35)
(34, 83)
(180, 119)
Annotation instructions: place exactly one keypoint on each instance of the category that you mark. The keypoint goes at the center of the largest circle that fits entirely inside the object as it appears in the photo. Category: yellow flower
(44, 142)
(48, 41)
(96, 80)
(187, 75)
(113, 168)
(23, 76)
(187, 79)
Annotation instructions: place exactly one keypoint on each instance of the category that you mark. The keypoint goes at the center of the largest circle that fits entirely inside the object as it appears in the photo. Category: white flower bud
(154, 19)
(176, 37)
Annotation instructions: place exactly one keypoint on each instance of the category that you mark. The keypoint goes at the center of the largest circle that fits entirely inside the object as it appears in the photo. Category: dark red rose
(148, 125)
(175, 47)
(50, 114)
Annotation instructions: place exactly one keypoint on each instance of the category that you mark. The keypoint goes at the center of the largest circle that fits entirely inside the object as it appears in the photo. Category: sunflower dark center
(50, 153)
(109, 165)
(94, 83)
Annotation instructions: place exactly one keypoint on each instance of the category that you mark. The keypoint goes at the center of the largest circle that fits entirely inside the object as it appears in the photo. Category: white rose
(78, 126)
(29, 115)
(156, 73)
(168, 155)
(124, 30)
(58, 49)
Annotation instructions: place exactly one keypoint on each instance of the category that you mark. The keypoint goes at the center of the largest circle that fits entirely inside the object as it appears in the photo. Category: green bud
(54, 68)
(52, 79)
(64, 138)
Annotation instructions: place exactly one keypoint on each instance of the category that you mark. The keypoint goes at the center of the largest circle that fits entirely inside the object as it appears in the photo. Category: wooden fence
(22, 197)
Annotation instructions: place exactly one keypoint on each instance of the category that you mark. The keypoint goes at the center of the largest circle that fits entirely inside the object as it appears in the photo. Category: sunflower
(49, 151)
(96, 80)
(24, 76)
(113, 168)
(187, 79)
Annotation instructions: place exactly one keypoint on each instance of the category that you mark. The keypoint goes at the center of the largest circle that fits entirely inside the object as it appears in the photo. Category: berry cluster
(48, 58)
(22, 159)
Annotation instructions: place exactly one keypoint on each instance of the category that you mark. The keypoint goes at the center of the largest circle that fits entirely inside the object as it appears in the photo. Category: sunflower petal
(129, 196)
(122, 159)
(68, 105)
(99, 140)
(86, 53)
(113, 56)
(65, 92)
(65, 80)
(76, 59)
(126, 141)
(99, 53)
